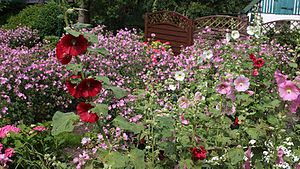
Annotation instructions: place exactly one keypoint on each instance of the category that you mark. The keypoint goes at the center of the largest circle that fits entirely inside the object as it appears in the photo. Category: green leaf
(275, 103)
(117, 160)
(91, 37)
(119, 92)
(100, 109)
(121, 122)
(252, 132)
(187, 163)
(293, 65)
(79, 25)
(75, 68)
(272, 120)
(72, 32)
(104, 79)
(101, 51)
(258, 164)
(137, 157)
(63, 122)
(236, 155)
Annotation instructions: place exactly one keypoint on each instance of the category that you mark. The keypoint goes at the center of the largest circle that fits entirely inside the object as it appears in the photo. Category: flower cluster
(5, 157)
(257, 63)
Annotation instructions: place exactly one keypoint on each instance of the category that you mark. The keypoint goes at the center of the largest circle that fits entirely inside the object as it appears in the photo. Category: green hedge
(44, 18)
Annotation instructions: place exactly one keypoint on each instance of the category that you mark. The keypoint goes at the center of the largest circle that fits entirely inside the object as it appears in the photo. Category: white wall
(274, 17)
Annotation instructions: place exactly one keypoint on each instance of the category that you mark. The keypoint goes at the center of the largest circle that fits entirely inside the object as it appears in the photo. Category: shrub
(44, 18)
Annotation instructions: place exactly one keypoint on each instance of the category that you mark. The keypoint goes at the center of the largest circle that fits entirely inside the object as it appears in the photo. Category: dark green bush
(44, 18)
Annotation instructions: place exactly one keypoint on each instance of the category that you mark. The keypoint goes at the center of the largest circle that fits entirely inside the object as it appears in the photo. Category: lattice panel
(221, 23)
(281, 26)
(169, 18)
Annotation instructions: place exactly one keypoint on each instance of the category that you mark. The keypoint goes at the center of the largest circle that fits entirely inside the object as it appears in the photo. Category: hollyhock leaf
(72, 32)
(187, 163)
(272, 120)
(258, 164)
(63, 122)
(75, 68)
(252, 132)
(100, 109)
(137, 157)
(79, 25)
(91, 37)
(122, 123)
(101, 51)
(236, 155)
(275, 103)
(104, 79)
(293, 65)
(116, 160)
(119, 92)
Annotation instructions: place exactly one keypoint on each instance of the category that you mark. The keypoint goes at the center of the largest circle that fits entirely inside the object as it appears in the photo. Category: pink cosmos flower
(241, 83)
(224, 88)
(288, 90)
(183, 102)
(295, 104)
(6, 129)
(39, 128)
(279, 77)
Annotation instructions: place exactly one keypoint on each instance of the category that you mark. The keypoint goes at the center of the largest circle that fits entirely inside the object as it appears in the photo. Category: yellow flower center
(289, 91)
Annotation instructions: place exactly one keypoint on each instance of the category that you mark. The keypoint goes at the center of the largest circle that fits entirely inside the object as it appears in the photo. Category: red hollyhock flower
(198, 154)
(89, 88)
(70, 46)
(255, 72)
(259, 63)
(83, 110)
(235, 124)
(72, 87)
(252, 57)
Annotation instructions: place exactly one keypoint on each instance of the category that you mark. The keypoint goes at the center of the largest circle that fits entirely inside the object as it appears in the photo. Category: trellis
(274, 28)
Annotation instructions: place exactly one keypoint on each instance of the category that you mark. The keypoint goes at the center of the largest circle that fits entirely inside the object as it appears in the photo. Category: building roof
(250, 6)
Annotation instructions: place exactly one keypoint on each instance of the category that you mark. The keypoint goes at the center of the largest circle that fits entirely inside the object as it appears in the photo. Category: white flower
(296, 158)
(250, 30)
(252, 142)
(235, 35)
(265, 153)
(179, 76)
(227, 37)
(172, 87)
(208, 54)
(85, 140)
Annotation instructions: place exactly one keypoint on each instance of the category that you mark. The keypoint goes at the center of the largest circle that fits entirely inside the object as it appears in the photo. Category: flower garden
(94, 99)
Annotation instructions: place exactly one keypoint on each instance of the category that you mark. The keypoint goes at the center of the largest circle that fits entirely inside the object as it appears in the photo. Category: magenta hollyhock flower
(40, 128)
(295, 104)
(224, 88)
(9, 152)
(288, 90)
(183, 102)
(8, 128)
(241, 83)
(279, 77)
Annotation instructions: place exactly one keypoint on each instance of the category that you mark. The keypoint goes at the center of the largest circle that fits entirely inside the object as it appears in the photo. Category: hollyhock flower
(83, 110)
(224, 88)
(179, 76)
(9, 152)
(208, 54)
(241, 83)
(70, 46)
(8, 128)
(279, 77)
(252, 57)
(235, 35)
(250, 92)
(230, 95)
(247, 158)
(198, 153)
(255, 72)
(39, 128)
(198, 96)
(89, 88)
(183, 102)
(288, 90)
(258, 63)
(251, 30)
(280, 154)
(183, 120)
(1, 147)
(72, 87)
(295, 104)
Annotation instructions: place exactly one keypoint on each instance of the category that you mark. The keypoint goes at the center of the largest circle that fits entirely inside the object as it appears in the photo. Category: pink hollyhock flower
(295, 104)
(8, 128)
(230, 95)
(250, 92)
(255, 72)
(183, 102)
(183, 120)
(39, 128)
(241, 83)
(288, 91)
(279, 77)
(9, 152)
(224, 88)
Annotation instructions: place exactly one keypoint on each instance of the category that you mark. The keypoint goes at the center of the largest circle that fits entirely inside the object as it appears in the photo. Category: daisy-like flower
(179, 76)
(235, 35)
(224, 87)
(279, 77)
(83, 110)
(288, 90)
(208, 54)
(241, 83)
(70, 46)
(183, 102)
